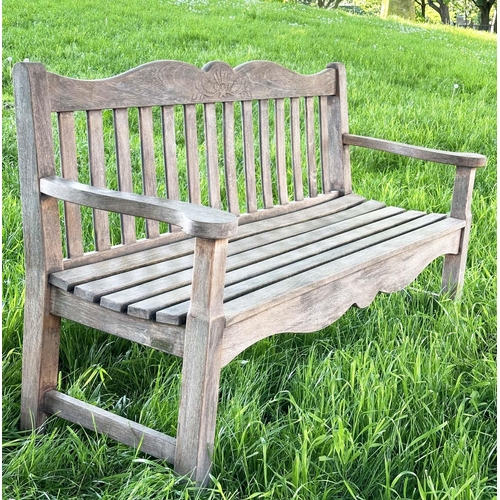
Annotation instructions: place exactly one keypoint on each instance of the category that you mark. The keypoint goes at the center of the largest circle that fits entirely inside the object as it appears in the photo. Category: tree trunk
(485, 17)
(400, 8)
(442, 9)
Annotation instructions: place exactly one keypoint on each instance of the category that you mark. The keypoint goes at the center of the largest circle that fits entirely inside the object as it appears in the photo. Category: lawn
(395, 401)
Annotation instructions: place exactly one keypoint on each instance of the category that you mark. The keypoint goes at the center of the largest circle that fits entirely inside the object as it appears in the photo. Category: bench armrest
(471, 160)
(195, 220)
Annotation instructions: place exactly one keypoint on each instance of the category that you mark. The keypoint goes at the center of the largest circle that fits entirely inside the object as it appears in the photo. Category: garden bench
(236, 221)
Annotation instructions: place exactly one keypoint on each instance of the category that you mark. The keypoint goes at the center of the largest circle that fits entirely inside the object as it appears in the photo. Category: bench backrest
(254, 140)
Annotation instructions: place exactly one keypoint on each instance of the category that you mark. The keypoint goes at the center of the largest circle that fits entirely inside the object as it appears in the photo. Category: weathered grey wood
(339, 157)
(98, 176)
(311, 148)
(42, 240)
(196, 220)
(253, 303)
(322, 305)
(324, 147)
(201, 362)
(265, 158)
(295, 145)
(334, 245)
(212, 155)
(471, 160)
(170, 152)
(229, 158)
(192, 158)
(124, 167)
(155, 284)
(454, 264)
(279, 119)
(149, 184)
(126, 431)
(69, 170)
(66, 305)
(174, 82)
(249, 156)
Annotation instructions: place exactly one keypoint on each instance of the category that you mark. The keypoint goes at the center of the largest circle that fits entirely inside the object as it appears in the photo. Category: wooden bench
(237, 221)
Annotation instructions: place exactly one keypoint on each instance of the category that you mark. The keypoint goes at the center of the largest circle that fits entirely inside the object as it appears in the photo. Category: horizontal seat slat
(281, 243)
(70, 278)
(268, 296)
(310, 257)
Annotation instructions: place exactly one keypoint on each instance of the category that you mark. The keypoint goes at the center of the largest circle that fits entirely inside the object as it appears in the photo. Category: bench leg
(454, 265)
(201, 363)
(40, 355)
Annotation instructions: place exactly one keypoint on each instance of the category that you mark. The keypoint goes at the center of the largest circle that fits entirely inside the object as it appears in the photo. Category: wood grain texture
(42, 240)
(98, 176)
(192, 156)
(324, 144)
(295, 146)
(249, 156)
(195, 220)
(338, 125)
(454, 265)
(201, 362)
(170, 151)
(121, 429)
(265, 157)
(164, 338)
(149, 183)
(322, 305)
(230, 159)
(279, 137)
(471, 160)
(311, 148)
(175, 82)
(124, 168)
(69, 170)
(212, 155)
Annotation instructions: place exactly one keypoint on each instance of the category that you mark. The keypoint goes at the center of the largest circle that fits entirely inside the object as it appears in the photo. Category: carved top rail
(174, 82)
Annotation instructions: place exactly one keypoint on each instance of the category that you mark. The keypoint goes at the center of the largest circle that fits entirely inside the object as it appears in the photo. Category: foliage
(393, 401)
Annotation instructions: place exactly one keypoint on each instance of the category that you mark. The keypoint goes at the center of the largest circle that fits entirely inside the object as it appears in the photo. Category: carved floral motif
(221, 82)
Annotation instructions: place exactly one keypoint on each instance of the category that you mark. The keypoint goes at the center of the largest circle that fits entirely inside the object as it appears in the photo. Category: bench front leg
(454, 264)
(202, 362)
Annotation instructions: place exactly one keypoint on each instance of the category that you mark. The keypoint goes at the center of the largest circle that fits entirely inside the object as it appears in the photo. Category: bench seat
(269, 261)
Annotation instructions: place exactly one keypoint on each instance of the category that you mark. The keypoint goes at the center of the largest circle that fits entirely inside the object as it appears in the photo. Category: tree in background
(400, 8)
(442, 8)
(484, 7)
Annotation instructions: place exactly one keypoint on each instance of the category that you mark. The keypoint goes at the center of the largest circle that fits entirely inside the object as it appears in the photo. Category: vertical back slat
(98, 175)
(338, 123)
(230, 159)
(280, 150)
(170, 155)
(310, 148)
(265, 158)
(192, 159)
(148, 163)
(212, 156)
(324, 147)
(295, 144)
(124, 168)
(249, 155)
(69, 167)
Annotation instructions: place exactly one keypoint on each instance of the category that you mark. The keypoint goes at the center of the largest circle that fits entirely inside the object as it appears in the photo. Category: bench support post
(201, 362)
(454, 264)
(42, 240)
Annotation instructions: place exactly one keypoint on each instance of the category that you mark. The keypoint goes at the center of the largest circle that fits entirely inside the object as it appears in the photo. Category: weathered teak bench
(284, 245)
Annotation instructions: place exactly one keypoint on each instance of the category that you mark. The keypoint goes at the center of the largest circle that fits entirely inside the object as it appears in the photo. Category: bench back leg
(201, 362)
(454, 264)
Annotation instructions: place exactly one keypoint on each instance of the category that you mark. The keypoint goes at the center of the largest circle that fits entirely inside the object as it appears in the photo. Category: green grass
(394, 401)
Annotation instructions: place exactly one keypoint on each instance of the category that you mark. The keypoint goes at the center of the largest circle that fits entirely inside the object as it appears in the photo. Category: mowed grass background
(393, 401)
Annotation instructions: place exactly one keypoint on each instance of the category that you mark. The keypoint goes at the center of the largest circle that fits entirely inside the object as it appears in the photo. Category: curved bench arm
(195, 220)
(471, 160)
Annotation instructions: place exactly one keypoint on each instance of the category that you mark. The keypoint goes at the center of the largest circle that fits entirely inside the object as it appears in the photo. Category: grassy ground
(394, 401)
